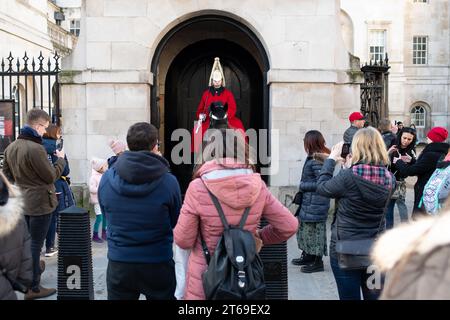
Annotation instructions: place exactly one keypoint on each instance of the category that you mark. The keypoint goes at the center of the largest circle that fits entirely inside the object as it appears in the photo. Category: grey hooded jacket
(15, 251)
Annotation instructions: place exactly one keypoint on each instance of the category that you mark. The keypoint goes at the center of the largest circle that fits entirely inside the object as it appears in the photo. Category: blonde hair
(368, 147)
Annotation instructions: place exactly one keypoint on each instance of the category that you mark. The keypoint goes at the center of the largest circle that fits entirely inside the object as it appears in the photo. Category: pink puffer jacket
(94, 182)
(236, 189)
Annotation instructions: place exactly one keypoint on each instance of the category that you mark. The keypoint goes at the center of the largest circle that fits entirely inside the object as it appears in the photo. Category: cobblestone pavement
(316, 286)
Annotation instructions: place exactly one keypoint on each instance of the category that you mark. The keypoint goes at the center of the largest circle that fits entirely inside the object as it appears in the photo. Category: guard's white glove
(202, 117)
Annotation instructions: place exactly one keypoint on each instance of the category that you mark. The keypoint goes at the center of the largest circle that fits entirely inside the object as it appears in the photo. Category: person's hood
(419, 237)
(49, 145)
(370, 192)
(138, 172)
(11, 212)
(232, 183)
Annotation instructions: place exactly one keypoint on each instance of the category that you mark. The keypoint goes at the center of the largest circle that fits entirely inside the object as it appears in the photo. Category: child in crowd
(99, 166)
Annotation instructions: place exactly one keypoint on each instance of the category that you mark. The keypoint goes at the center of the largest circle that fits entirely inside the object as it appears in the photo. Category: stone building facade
(415, 34)
(147, 60)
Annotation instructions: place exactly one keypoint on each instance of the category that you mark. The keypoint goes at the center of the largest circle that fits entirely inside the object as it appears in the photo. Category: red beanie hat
(438, 134)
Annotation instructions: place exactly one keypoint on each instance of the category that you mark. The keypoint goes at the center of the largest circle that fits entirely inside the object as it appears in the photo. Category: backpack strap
(220, 210)
(244, 218)
(205, 249)
(216, 202)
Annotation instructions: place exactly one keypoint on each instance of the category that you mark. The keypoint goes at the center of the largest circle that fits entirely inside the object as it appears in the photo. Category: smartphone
(60, 145)
(345, 150)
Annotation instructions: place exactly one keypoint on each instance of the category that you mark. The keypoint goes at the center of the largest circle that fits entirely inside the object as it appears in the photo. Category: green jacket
(26, 164)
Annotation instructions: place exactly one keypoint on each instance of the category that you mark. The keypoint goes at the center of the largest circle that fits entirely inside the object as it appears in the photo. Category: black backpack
(235, 272)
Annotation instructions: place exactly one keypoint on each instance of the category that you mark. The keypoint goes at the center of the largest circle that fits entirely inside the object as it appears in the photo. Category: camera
(345, 150)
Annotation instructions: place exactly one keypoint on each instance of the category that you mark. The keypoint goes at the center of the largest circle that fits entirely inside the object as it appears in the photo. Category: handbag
(400, 190)
(298, 198)
(355, 254)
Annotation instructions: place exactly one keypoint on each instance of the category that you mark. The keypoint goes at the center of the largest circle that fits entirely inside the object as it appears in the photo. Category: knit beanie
(97, 163)
(438, 134)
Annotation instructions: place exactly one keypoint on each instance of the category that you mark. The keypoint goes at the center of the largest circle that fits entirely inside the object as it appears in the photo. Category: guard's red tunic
(209, 96)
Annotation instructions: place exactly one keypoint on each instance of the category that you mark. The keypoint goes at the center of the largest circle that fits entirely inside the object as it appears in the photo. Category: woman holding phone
(404, 149)
(362, 191)
(52, 141)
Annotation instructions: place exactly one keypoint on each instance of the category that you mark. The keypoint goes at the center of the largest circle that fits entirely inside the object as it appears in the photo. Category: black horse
(218, 115)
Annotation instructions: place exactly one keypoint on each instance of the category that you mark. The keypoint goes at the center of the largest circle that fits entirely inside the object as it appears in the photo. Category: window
(420, 49)
(418, 116)
(377, 44)
(75, 27)
(423, 1)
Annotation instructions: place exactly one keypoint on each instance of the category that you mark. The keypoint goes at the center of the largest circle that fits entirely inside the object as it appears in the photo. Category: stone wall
(109, 77)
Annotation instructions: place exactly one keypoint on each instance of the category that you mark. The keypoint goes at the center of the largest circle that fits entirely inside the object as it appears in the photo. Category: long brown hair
(314, 142)
(52, 132)
(225, 143)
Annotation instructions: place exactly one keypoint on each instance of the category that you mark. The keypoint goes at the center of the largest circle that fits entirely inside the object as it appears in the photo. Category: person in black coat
(313, 212)
(404, 148)
(362, 192)
(425, 165)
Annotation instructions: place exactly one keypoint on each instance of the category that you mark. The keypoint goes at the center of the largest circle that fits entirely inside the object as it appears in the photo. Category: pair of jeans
(402, 210)
(38, 228)
(350, 283)
(51, 234)
(127, 281)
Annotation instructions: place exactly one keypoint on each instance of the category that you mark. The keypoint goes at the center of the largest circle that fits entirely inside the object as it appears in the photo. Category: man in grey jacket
(357, 121)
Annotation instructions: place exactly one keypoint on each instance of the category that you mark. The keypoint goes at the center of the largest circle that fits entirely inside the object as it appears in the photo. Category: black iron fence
(374, 91)
(26, 84)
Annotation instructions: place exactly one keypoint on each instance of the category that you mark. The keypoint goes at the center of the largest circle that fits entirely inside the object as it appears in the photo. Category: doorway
(187, 79)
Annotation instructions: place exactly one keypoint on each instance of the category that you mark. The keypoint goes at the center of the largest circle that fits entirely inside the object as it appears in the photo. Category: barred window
(418, 116)
(75, 27)
(377, 44)
(420, 47)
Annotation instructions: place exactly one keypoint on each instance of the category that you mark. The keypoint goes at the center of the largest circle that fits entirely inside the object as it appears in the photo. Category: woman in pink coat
(234, 182)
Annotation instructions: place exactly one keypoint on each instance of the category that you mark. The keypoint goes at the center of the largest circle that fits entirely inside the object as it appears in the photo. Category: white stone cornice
(107, 76)
(25, 32)
(311, 76)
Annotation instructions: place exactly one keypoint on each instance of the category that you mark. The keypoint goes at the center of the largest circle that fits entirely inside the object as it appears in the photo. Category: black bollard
(75, 278)
(274, 258)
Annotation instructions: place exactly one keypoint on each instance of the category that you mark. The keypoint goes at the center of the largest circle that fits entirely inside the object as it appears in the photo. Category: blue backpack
(436, 190)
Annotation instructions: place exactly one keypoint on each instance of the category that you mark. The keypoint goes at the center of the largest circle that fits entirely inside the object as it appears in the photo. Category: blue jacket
(141, 200)
(314, 207)
(64, 193)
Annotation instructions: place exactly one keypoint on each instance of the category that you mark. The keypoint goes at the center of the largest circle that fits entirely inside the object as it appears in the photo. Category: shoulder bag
(355, 254)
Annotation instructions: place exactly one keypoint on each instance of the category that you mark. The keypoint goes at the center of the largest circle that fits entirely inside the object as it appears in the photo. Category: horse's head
(218, 115)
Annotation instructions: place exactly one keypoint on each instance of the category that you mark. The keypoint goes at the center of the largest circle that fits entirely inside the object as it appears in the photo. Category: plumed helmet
(217, 73)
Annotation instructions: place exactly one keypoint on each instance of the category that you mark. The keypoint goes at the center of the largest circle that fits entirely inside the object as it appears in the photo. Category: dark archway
(187, 79)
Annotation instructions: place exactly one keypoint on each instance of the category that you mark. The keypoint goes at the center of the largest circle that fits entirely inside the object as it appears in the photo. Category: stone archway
(191, 46)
